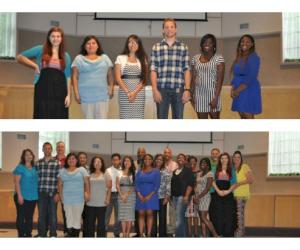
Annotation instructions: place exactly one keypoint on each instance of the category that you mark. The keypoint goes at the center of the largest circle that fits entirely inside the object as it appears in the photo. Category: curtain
(53, 138)
(8, 30)
(284, 152)
(291, 36)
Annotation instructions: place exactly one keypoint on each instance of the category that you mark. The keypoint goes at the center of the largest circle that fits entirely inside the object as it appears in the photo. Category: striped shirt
(170, 63)
(47, 173)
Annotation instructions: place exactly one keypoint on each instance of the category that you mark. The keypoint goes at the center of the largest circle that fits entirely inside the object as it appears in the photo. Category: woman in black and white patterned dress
(202, 198)
(207, 79)
(126, 195)
(131, 71)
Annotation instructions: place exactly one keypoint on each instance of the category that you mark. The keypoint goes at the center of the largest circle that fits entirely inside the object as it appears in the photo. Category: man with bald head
(141, 151)
(170, 165)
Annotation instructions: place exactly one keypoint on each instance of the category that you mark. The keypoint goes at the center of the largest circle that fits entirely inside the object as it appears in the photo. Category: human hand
(77, 98)
(186, 96)
(185, 199)
(37, 69)
(213, 104)
(157, 96)
(67, 101)
(86, 196)
(20, 199)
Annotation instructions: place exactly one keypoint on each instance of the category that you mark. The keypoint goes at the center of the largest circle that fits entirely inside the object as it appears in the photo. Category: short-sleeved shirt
(73, 185)
(170, 64)
(114, 173)
(181, 181)
(28, 182)
(37, 53)
(98, 189)
(122, 60)
(92, 78)
(244, 190)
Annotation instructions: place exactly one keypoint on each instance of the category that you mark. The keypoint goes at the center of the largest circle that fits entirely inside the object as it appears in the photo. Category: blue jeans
(181, 222)
(113, 204)
(171, 97)
(47, 210)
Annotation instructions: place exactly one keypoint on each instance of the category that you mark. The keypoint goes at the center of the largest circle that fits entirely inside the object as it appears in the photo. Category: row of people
(175, 81)
(216, 190)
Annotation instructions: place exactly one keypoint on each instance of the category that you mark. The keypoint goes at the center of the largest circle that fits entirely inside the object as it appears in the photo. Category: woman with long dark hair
(246, 92)
(147, 184)
(92, 79)
(26, 192)
(52, 67)
(207, 78)
(224, 203)
(100, 192)
(74, 190)
(131, 74)
(126, 195)
(242, 192)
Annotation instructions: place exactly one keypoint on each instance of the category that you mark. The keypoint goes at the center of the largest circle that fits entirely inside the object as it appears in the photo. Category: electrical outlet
(21, 136)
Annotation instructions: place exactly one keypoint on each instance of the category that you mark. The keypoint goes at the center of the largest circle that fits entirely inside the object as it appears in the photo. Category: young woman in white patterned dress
(207, 79)
(131, 72)
(127, 197)
(202, 198)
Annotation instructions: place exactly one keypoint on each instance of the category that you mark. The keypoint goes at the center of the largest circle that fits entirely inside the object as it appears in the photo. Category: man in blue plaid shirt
(170, 73)
(48, 169)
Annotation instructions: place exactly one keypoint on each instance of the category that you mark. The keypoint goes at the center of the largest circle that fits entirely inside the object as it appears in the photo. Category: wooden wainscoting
(16, 102)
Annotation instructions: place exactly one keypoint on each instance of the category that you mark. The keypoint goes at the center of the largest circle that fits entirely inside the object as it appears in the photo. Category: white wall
(220, 24)
(110, 142)
(252, 142)
(259, 23)
(12, 147)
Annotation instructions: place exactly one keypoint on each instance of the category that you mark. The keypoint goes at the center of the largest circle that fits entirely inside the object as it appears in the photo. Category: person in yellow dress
(242, 191)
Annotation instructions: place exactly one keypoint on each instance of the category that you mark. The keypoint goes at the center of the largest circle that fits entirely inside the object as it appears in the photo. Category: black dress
(49, 95)
(224, 207)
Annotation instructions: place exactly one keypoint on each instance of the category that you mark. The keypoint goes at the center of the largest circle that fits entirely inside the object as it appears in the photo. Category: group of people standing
(148, 193)
(175, 81)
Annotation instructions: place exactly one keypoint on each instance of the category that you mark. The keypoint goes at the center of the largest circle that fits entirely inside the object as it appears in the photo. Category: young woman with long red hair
(223, 201)
(52, 67)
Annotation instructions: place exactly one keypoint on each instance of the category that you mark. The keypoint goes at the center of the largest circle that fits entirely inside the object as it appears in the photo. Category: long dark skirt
(49, 95)
(224, 212)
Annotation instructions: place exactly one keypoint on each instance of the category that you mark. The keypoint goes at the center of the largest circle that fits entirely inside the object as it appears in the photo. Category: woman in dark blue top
(246, 92)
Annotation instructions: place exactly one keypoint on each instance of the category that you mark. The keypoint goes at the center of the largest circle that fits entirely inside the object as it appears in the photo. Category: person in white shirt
(114, 172)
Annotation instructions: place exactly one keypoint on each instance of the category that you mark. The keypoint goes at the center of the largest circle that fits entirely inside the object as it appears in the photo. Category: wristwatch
(186, 89)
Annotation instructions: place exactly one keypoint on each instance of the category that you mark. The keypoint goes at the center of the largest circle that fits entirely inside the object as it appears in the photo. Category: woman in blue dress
(246, 92)
(147, 183)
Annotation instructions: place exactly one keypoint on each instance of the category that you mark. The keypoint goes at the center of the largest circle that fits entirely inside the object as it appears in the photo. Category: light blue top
(73, 185)
(37, 52)
(28, 182)
(92, 78)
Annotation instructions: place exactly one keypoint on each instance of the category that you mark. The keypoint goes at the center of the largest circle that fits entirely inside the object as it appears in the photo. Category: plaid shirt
(165, 184)
(170, 63)
(47, 173)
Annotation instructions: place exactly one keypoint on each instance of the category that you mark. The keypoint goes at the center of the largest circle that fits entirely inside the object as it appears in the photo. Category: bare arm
(249, 179)
(75, 74)
(17, 179)
(27, 62)
(110, 80)
(108, 191)
(60, 189)
(156, 94)
(119, 80)
(187, 85)
(220, 79)
(87, 188)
